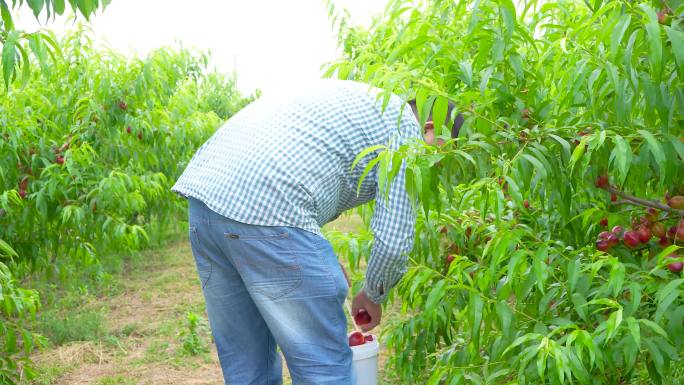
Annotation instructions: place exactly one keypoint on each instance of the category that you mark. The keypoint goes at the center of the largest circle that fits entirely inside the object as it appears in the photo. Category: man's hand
(361, 301)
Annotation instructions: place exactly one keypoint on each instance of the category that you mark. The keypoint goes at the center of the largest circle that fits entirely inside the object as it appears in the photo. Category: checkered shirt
(288, 162)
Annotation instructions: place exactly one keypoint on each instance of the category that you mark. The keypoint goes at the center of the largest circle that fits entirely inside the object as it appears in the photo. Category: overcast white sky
(274, 44)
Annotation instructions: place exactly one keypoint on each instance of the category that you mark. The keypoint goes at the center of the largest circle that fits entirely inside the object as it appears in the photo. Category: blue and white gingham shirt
(288, 162)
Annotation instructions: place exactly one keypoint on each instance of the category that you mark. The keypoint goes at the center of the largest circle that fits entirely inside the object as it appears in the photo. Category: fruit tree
(549, 237)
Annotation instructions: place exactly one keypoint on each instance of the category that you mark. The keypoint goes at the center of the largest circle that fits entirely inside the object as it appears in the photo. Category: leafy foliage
(88, 153)
(16, 306)
(193, 344)
(17, 45)
(554, 94)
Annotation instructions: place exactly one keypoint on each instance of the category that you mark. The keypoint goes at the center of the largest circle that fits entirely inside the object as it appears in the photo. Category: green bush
(89, 148)
(574, 118)
(90, 151)
(17, 306)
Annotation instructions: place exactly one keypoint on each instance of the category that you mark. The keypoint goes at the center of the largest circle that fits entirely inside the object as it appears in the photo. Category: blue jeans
(268, 286)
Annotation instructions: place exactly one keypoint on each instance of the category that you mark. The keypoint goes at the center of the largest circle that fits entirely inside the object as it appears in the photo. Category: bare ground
(143, 343)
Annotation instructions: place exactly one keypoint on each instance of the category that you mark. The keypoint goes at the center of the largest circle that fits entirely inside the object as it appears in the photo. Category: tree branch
(642, 202)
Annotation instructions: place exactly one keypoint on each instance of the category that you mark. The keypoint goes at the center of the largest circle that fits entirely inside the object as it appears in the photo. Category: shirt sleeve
(393, 224)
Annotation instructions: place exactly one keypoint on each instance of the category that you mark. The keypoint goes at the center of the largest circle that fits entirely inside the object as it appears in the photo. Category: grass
(115, 380)
(61, 326)
(124, 324)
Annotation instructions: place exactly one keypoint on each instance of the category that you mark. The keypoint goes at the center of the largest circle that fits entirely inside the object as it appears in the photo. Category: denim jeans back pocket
(266, 263)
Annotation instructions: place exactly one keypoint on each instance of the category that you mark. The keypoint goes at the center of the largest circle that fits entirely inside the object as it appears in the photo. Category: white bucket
(366, 362)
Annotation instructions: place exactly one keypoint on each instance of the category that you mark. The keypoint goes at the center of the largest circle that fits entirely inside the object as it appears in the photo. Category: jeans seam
(211, 270)
(321, 256)
(299, 267)
(268, 363)
(327, 269)
(320, 249)
(193, 232)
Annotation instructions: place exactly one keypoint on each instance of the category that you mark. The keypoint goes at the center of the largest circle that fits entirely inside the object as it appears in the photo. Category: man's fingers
(356, 306)
(376, 317)
(368, 327)
(361, 301)
(375, 321)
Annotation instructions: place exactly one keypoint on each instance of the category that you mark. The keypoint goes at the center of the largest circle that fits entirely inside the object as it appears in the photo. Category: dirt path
(144, 326)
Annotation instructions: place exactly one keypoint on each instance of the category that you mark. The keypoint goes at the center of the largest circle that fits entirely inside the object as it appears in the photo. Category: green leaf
(580, 305)
(436, 294)
(564, 144)
(665, 303)
(622, 153)
(397, 163)
(541, 359)
(634, 330)
(58, 6)
(485, 75)
(25, 66)
(676, 38)
(521, 340)
(368, 169)
(656, 355)
(27, 341)
(656, 150)
(655, 45)
(678, 146)
(86, 7)
(537, 165)
(614, 321)
(424, 105)
(439, 115)
(516, 63)
(6, 16)
(619, 33)
(616, 278)
(606, 302)
(506, 317)
(661, 257)
(665, 291)
(653, 326)
(475, 309)
(507, 11)
(7, 250)
(635, 291)
(465, 75)
(577, 153)
(9, 57)
(11, 342)
(513, 263)
(36, 6)
(514, 190)
(467, 156)
(666, 297)
(39, 49)
(578, 369)
(573, 269)
(540, 267)
(426, 188)
(382, 172)
(365, 152)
